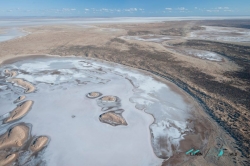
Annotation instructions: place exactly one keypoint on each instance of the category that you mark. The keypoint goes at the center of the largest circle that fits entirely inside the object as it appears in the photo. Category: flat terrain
(102, 123)
(218, 79)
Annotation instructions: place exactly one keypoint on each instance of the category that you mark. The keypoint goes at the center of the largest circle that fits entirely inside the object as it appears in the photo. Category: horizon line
(212, 16)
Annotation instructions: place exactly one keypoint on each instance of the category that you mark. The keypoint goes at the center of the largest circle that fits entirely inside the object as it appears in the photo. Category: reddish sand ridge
(11, 73)
(39, 143)
(19, 111)
(8, 159)
(14, 137)
(20, 98)
(113, 119)
(109, 98)
(94, 94)
(26, 85)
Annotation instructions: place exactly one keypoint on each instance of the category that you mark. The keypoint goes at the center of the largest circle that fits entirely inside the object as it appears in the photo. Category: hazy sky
(116, 8)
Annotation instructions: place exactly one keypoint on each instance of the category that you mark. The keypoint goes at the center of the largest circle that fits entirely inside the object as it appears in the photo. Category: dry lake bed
(93, 112)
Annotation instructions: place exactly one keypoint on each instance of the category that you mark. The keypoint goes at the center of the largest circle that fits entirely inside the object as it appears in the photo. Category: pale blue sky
(127, 8)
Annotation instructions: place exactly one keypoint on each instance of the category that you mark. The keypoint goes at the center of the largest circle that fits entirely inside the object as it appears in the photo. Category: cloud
(168, 9)
(106, 10)
(68, 9)
(228, 10)
(219, 9)
(222, 8)
(181, 8)
(211, 11)
(131, 10)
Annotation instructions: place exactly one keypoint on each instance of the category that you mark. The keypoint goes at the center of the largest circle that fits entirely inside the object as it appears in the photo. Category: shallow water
(62, 111)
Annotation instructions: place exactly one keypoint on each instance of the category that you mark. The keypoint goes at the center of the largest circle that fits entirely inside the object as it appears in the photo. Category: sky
(124, 8)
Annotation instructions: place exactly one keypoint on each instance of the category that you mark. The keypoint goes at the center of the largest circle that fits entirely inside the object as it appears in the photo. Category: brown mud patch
(15, 136)
(20, 111)
(7, 159)
(39, 143)
(29, 88)
(20, 98)
(113, 119)
(109, 98)
(93, 95)
(10, 73)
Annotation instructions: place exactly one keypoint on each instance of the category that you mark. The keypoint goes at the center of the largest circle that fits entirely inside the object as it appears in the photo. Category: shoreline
(170, 82)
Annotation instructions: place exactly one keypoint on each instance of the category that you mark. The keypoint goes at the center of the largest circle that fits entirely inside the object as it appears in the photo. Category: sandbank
(14, 137)
(29, 88)
(39, 143)
(20, 111)
(113, 119)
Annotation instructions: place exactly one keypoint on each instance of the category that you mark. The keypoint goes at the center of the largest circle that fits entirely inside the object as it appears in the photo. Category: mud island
(20, 111)
(39, 143)
(29, 88)
(16, 136)
(109, 98)
(10, 73)
(6, 159)
(113, 119)
(19, 99)
(93, 95)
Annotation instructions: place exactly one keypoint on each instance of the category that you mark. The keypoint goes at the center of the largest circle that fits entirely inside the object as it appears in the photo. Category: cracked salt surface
(84, 139)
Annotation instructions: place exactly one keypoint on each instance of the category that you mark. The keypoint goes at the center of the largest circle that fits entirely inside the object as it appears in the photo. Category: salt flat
(222, 34)
(62, 111)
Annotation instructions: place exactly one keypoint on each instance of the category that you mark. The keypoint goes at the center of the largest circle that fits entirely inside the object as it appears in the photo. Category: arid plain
(207, 62)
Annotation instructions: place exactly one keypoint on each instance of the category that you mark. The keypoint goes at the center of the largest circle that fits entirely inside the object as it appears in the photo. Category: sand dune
(6, 159)
(14, 137)
(113, 119)
(20, 111)
(39, 143)
(24, 84)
